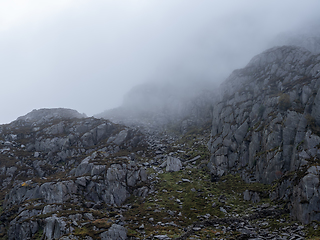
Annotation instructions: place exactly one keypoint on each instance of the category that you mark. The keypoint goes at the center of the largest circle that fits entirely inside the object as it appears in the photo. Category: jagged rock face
(58, 140)
(113, 187)
(265, 126)
(52, 158)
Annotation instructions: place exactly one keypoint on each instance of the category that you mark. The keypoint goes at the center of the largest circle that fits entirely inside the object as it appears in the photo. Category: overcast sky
(86, 55)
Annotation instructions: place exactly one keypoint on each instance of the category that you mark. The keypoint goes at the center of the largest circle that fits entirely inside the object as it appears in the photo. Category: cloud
(14, 13)
(87, 54)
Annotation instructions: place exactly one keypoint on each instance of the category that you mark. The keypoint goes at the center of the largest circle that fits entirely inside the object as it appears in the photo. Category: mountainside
(237, 162)
(266, 127)
(70, 177)
(176, 106)
(55, 162)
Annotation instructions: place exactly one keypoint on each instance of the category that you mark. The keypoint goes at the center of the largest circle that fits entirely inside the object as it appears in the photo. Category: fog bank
(86, 55)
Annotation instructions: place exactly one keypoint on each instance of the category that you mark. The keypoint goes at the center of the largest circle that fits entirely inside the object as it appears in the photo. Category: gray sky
(86, 55)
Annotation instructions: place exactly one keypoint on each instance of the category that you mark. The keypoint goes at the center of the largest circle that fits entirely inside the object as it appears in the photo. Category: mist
(86, 55)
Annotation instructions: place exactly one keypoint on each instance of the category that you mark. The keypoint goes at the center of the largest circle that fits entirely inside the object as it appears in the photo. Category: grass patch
(182, 202)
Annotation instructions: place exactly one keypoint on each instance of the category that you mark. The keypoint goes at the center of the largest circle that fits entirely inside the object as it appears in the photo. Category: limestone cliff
(266, 127)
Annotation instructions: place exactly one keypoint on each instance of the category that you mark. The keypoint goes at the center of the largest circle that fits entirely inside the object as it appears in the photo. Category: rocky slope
(266, 127)
(71, 177)
(249, 175)
(59, 168)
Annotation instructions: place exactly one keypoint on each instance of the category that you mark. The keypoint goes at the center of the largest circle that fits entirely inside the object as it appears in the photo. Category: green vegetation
(312, 124)
(182, 202)
(284, 102)
(83, 232)
(313, 230)
(39, 234)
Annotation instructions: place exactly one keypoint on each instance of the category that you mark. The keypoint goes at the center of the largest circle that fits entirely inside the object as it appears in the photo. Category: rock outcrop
(60, 167)
(38, 116)
(266, 127)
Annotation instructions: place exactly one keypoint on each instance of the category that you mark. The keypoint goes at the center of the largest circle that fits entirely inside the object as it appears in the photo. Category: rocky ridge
(57, 163)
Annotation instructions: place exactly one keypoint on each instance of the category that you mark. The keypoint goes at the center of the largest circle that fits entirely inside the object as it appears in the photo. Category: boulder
(119, 139)
(173, 164)
(114, 232)
(54, 227)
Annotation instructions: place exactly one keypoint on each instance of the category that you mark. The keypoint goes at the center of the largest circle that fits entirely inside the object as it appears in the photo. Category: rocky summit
(239, 162)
